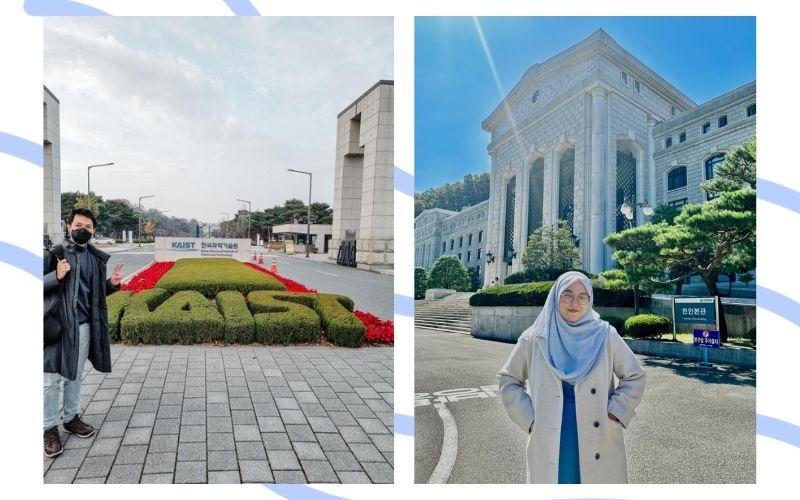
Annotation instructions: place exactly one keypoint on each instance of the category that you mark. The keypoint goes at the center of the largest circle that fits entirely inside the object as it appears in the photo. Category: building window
(751, 110)
(469, 256)
(636, 86)
(479, 255)
(682, 137)
(460, 241)
(469, 239)
(444, 247)
(678, 203)
(676, 178)
(624, 77)
(478, 269)
(535, 96)
(710, 167)
(668, 142)
(672, 111)
(452, 244)
(480, 236)
(722, 121)
(706, 127)
(459, 256)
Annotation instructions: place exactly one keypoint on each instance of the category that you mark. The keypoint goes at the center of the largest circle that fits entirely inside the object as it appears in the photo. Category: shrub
(449, 272)
(535, 294)
(239, 327)
(645, 326)
(187, 318)
(420, 283)
(116, 303)
(341, 326)
(211, 276)
(751, 335)
(283, 318)
(135, 309)
(617, 322)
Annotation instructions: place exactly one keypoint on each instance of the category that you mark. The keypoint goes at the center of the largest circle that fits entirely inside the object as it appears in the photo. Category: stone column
(598, 159)
(651, 163)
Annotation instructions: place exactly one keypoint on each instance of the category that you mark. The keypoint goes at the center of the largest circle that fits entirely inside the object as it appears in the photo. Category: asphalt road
(132, 258)
(371, 292)
(693, 425)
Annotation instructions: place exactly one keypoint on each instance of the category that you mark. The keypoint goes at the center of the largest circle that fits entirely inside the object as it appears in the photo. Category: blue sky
(454, 89)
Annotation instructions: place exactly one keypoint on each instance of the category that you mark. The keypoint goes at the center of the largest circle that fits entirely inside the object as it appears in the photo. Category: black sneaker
(52, 443)
(79, 427)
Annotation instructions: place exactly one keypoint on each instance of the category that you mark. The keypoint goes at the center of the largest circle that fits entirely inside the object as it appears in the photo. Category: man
(79, 269)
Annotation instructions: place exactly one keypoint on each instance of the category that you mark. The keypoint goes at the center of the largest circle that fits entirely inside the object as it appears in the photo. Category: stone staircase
(449, 314)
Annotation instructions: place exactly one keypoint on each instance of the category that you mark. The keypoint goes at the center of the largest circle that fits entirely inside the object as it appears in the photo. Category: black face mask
(81, 236)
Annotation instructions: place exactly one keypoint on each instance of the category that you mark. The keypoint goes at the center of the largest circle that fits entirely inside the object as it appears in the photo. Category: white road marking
(329, 274)
(447, 458)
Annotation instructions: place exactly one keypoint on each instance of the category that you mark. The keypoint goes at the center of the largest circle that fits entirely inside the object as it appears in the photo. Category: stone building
(440, 232)
(589, 129)
(52, 168)
(363, 200)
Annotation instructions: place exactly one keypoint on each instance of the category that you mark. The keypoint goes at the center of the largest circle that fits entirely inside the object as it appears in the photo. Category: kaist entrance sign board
(172, 249)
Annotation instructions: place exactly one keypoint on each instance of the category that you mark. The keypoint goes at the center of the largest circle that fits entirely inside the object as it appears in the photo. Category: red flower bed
(378, 330)
(291, 286)
(148, 278)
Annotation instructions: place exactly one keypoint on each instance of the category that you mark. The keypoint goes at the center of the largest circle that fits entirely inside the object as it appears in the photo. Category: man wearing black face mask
(78, 271)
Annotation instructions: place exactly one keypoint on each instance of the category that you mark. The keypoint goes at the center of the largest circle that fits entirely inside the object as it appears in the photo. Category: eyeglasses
(583, 299)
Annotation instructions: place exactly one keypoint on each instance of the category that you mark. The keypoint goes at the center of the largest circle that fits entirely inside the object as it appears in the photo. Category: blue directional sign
(706, 338)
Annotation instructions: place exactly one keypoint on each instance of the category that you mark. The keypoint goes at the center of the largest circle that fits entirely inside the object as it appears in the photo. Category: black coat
(62, 356)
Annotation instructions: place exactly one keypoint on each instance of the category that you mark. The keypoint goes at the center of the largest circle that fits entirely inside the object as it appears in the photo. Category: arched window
(626, 185)
(710, 168)
(508, 244)
(668, 142)
(535, 196)
(566, 188)
(722, 121)
(676, 178)
(751, 110)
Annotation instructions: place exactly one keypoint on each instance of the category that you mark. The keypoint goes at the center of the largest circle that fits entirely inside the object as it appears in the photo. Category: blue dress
(569, 471)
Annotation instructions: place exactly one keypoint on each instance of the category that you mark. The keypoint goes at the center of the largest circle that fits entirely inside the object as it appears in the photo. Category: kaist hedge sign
(172, 249)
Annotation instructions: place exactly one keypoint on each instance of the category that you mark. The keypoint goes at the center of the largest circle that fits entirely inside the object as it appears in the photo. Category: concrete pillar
(598, 159)
(651, 163)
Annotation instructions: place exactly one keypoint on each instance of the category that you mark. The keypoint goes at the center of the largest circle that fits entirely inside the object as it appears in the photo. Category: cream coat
(539, 404)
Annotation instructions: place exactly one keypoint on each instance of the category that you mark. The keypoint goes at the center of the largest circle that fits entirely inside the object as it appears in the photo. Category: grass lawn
(688, 338)
(211, 276)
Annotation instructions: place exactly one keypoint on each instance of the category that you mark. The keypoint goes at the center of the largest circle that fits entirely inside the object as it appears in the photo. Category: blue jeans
(72, 388)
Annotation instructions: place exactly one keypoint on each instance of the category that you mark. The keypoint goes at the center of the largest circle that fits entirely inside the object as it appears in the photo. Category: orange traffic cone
(274, 266)
(260, 258)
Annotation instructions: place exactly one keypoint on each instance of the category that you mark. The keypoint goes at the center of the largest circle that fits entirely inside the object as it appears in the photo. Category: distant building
(52, 168)
(363, 199)
(440, 232)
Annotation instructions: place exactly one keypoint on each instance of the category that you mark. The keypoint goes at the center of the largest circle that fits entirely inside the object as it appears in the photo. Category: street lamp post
(308, 221)
(249, 216)
(140, 215)
(629, 205)
(89, 182)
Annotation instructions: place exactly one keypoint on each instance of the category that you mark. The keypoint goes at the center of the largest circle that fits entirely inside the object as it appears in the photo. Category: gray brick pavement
(237, 414)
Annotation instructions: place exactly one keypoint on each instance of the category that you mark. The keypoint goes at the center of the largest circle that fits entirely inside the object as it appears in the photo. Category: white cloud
(201, 111)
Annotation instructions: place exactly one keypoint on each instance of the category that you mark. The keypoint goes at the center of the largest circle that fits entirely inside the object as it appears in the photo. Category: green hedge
(341, 326)
(283, 318)
(541, 275)
(646, 326)
(187, 318)
(211, 276)
(239, 324)
(137, 307)
(535, 294)
(116, 303)
(617, 322)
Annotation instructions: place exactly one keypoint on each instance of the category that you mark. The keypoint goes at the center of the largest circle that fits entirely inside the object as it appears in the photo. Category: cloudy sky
(201, 111)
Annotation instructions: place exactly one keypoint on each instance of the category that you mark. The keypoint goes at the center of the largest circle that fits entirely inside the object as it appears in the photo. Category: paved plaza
(197, 414)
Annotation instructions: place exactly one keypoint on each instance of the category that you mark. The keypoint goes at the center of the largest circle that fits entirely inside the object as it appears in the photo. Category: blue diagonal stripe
(21, 148)
(403, 424)
(403, 305)
(242, 7)
(779, 195)
(21, 259)
(300, 491)
(779, 304)
(60, 8)
(778, 429)
(403, 181)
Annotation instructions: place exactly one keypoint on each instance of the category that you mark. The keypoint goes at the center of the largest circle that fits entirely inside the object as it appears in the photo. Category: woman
(571, 410)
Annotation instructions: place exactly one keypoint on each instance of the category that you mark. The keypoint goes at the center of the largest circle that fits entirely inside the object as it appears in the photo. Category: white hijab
(572, 348)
